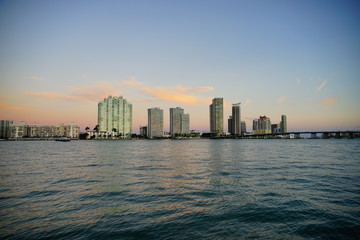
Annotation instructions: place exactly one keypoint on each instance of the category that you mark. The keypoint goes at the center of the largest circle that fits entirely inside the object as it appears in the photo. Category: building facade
(283, 124)
(217, 116)
(5, 129)
(115, 115)
(24, 130)
(155, 123)
(236, 119)
(179, 122)
(243, 128)
(263, 125)
(143, 131)
(230, 128)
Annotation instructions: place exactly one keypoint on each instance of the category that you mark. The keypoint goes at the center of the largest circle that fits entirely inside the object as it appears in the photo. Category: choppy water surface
(197, 189)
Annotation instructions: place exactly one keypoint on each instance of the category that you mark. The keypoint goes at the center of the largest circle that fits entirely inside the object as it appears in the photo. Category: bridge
(297, 135)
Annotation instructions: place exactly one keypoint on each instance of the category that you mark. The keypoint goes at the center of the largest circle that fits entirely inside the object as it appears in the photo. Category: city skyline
(300, 59)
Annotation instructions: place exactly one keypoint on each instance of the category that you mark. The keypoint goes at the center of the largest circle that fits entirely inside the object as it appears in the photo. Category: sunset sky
(58, 59)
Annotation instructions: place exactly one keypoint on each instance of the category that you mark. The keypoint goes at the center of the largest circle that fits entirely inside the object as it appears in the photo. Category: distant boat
(63, 139)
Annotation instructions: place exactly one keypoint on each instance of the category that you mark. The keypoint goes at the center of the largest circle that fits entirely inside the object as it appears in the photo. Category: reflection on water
(266, 189)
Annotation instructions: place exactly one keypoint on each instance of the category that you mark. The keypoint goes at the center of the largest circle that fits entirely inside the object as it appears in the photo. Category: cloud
(17, 108)
(38, 78)
(329, 101)
(246, 103)
(282, 99)
(92, 93)
(194, 90)
(179, 94)
(322, 85)
(132, 82)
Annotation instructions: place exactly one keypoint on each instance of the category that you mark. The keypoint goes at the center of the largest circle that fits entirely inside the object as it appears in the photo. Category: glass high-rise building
(236, 119)
(179, 122)
(217, 116)
(155, 123)
(283, 124)
(230, 124)
(115, 115)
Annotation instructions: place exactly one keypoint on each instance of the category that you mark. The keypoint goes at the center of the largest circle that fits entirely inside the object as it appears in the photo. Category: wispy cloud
(17, 108)
(281, 99)
(179, 94)
(322, 85)
(194, 90)
(133, 82)
(36, 78)
(329, 101)
(84, 94)
(246, 103)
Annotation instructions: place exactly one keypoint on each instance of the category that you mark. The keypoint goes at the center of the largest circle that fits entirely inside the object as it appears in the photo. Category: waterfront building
(179, 122)
(143, 131)
(236, 119)
(243, 128)
(275, 128)
(230, 127)
(283, 124)
(255, 125)
(263, 125)
(115, 116)
(216, 116)
(5, 128)
(23, 129)
(155, 123)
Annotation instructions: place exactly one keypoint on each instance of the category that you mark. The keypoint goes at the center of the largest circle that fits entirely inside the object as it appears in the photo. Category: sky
(58, 59)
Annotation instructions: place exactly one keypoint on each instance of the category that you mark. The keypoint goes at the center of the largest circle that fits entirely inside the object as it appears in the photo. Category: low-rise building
(22, 130)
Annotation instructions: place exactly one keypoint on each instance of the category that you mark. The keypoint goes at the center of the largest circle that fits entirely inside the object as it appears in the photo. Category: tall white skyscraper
(179, 122)
(155, 123)
(115, 115)
(217, 116)
(236, 119)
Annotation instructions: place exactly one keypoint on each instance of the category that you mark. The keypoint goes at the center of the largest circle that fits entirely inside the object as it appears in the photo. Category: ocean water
(180, 189)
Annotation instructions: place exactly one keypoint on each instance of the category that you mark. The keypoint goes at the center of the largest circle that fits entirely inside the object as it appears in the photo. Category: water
(198, 189)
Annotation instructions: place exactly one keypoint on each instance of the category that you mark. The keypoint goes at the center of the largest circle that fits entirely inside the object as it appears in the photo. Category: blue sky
(299, 58)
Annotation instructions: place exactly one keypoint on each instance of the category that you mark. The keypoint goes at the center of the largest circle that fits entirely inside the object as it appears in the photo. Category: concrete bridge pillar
(313, 135)
(325, 136)
(297, 135)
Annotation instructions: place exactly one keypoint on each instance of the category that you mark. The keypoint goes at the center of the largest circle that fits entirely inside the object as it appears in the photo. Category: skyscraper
(236, 119)
(216, 116)
(230, 125)
(283, 124)
(179, 122)
(263, 125)
(155, 122)
(115, 115)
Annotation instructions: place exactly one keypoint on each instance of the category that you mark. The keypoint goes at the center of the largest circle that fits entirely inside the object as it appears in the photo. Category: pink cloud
(178, 94)
(17, 108)
(133, 82)
(329, 101)
(84, 94)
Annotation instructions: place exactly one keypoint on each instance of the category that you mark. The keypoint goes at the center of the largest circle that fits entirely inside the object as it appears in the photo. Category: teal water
(196, 189)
